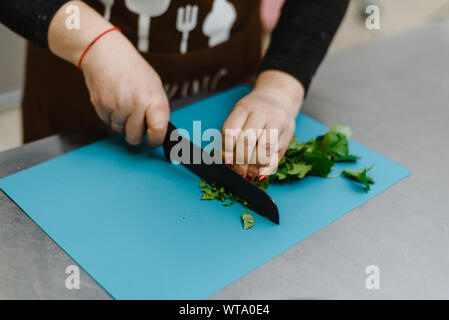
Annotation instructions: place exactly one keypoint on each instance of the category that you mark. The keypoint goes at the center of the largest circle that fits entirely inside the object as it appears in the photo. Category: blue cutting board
(137, 225)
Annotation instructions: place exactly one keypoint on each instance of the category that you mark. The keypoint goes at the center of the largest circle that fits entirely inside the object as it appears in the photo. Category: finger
(284, 140)
(102, 111)
(247, 142)
(157, 116)
(268, 151)
(272, 167)
(125, 105)
(135, 127)
(231, 131)
(253, 169)
(118, 120)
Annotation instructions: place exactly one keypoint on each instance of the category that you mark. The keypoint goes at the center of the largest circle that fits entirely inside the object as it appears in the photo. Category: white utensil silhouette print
(107, 8)
(218, 23)
(186, 22)
(146, 9)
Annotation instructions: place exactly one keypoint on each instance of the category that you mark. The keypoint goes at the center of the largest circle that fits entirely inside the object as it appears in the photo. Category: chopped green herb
(248, 220)
(360, 176)
(262, 185)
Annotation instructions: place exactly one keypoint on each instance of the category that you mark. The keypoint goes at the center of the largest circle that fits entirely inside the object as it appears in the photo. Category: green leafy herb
(321, 167)
(360, 176)
(212, 192)
(248, 220)
(300, 169)
(315, 157)
(344, 130)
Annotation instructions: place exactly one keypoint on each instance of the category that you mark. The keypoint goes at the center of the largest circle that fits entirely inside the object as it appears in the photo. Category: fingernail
(262, 178)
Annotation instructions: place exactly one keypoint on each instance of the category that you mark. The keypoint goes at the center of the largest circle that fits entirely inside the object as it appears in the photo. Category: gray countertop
(394, 94)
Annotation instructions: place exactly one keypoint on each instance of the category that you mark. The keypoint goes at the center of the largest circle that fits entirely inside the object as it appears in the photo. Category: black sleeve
(301, 39)
(30, 18)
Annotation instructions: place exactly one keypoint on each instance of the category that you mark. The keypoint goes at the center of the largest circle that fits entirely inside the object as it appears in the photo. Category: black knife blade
(258, 200)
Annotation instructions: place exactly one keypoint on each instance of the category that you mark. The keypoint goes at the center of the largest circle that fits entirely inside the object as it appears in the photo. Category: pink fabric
(270, 11)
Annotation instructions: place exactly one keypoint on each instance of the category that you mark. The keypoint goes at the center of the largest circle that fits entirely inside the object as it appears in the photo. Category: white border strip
(11, 99)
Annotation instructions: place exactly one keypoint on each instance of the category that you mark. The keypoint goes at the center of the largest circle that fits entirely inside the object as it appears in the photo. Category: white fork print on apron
(146, 9)
(185, 22)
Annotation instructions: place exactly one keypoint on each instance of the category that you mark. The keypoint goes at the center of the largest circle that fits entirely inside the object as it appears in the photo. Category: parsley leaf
(300, 170)
(360, 176)
(248, 220)
(321, 167)
(334, 144)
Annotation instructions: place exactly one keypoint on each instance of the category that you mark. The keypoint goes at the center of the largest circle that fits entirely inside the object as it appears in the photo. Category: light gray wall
(12, 57)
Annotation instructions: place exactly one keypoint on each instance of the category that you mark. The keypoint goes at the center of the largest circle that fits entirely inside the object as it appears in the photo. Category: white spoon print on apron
(146, 9)
(218, 23)
(185, 23)
(107, 8)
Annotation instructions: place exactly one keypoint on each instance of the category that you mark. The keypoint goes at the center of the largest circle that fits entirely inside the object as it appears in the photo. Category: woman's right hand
(125, 90)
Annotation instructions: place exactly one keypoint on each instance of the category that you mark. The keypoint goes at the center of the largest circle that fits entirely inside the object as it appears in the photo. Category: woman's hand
(125, 90)
(261, 125)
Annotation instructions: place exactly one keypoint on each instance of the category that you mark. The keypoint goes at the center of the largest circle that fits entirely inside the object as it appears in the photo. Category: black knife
(222, 176)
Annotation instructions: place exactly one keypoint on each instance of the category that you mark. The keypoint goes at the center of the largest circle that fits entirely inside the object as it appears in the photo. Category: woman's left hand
(260, 127)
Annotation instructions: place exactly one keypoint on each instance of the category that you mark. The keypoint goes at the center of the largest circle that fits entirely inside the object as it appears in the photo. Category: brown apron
(195, 46)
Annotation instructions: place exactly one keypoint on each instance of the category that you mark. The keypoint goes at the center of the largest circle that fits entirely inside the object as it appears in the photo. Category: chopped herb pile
(212, 192)
(315, 157)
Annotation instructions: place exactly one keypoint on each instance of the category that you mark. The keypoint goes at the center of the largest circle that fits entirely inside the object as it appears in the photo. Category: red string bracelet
(92, 43)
